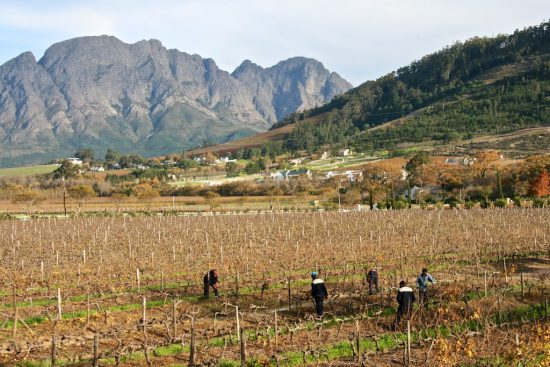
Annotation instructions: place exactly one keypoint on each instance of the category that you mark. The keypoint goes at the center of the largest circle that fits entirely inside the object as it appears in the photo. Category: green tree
(112, 156)
(232, 169)
(85, 154)
(65, 170)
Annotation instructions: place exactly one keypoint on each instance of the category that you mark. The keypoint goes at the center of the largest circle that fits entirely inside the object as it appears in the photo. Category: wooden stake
(138, 281)
(243, 348)
(96, 350)
(522, 288)
(289, 303)
(485, 282)
(408, 342)
(238, 323)
(54, 349)
(174, 319)
(15, 312)
(143, 309)
(59, 304)
(192, 344)
(276, 329)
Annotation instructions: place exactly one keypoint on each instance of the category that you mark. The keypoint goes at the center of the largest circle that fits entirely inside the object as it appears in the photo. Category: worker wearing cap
(318, 292)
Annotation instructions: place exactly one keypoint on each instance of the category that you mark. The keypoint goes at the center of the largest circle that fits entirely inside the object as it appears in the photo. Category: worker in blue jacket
(318, 292)
(422, 284)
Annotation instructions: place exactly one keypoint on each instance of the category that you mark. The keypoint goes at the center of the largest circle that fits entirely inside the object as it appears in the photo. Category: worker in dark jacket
(211, 280)
(406, 299)
(318, 292)
(372, 278)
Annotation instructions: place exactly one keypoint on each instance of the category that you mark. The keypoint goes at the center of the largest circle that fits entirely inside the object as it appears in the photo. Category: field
(127, 290)
(27, 171)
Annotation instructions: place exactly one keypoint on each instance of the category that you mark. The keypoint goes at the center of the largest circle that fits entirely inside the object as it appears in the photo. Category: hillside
(482, 87)
(101, 93)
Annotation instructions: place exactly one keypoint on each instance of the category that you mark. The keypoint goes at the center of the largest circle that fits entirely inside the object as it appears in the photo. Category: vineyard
(127, 290)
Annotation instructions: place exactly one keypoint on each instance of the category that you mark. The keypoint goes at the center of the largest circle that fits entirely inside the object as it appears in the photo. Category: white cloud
(361, 39)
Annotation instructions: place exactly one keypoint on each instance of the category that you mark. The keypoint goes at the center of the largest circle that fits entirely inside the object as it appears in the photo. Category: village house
(460, 161)
(75, 161)
(299, 173)
(344, 152)
(279, 175)
(296, 161)
(97, 169)
(351, 176)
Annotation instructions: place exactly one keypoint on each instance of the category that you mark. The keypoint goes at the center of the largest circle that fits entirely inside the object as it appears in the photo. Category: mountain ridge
(101, 92)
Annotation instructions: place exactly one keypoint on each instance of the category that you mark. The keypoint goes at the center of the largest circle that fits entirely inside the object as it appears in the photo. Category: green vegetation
(27, 171)
(483, 86)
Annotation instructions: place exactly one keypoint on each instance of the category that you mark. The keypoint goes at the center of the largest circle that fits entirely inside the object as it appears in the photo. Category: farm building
(299, 173)
(75, 161)
(460, 161)
(344, 152)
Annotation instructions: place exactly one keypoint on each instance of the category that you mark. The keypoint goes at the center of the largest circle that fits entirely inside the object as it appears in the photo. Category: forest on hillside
(481, 86)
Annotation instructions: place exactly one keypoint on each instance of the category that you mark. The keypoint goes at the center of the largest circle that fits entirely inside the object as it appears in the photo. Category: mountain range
(101, 93)
(483, 93)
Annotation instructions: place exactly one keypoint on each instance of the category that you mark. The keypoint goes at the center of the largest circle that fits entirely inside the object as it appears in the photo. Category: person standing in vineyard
(318, 292)
(422, 284)
(211, 280)
(372, 278)
(406, 299)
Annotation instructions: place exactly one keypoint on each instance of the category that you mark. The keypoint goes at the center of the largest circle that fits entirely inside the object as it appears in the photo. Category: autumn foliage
(541, 185)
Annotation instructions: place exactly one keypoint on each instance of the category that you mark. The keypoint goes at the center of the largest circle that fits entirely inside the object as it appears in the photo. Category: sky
(359, 39)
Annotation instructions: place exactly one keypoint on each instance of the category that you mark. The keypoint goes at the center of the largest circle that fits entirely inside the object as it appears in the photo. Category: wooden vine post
(138, 281)
(408, 362)
(522, 288)
(242, 336)
(15, 312)
(192, 350)
(485, 282)
(289, 293)
(54, 347)
(238, 322)
(96, 350)
(276, 330)
(59, 311)
(143, 315)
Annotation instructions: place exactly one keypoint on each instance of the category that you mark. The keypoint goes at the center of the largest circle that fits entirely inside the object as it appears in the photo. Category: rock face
(101, 93)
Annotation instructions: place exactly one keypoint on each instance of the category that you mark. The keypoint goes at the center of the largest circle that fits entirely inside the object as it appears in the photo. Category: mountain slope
(479, 87)
(102, 93)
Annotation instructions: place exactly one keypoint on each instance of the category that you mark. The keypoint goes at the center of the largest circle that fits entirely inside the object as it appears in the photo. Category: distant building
(299, 173)
(287, 175)
(460, 161)
(278, 176)
(97, 169)
(351, 176)
(224, 160)
(296, 161)
(344, 152)
(325, 155)
(75, 161)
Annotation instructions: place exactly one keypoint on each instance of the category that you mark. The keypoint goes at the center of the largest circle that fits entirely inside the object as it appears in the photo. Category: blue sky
(360, 39)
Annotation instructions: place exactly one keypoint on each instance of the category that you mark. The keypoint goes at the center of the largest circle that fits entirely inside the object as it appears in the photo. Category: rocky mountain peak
(101, 92)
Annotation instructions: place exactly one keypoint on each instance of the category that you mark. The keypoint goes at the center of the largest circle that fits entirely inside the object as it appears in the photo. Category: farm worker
(211, 280)
(422, 284)
(406, 299)
(318, 292)
(372, 278)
